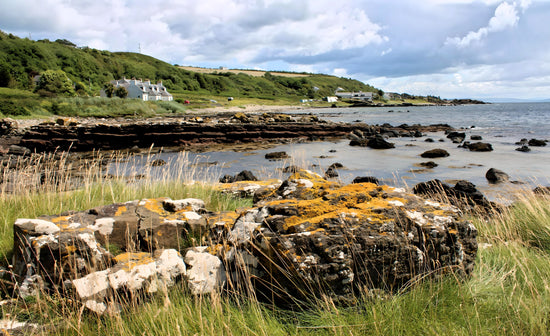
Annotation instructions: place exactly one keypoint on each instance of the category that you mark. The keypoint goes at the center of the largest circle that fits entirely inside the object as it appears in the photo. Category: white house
(331, 99)
(366, 96)
(143, 90)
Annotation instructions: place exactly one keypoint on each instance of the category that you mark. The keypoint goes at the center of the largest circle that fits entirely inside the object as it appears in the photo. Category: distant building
(366, 96)
(331, 99)
(143, 90)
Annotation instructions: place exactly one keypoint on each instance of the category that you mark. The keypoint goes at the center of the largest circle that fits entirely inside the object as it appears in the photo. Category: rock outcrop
(193, 131)
(302, 234)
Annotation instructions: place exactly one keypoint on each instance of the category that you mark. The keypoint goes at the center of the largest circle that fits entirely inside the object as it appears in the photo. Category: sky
(448, 48)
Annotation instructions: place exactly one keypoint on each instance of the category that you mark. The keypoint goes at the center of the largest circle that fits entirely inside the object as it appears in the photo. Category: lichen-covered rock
(347, 238)
(302, 234)
(303, 184)
(133, 273)
(50, 250)
(249, 188)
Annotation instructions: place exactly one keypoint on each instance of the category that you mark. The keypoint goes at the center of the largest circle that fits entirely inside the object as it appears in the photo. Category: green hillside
(21, 59)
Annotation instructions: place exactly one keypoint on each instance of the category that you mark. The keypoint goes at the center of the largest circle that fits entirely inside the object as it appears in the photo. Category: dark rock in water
(378, 142)
(435, 153)
(523, 148)
(494, 175)
(366, 179)
(542, 190)
(227, 179)
(463, 195)
(480, 147)
(276, 156)
(429, 140)
(465, 144)
(537, 143)
(431, 187)
(476, 137)
(332, 151)
(456, 137)
(158, 163)
(291, 169)
(336, 165)
(428, 164)
(245, 175)
(522, 142)
(359, 142)
(331, 172)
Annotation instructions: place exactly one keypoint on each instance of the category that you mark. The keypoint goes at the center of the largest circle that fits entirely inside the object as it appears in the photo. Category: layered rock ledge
(86, 135)
(304, 236)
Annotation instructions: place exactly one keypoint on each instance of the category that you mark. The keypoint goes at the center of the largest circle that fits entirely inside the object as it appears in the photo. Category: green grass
(508, 292)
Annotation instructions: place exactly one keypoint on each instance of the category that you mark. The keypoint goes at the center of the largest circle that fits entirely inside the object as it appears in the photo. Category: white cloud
(506, 16)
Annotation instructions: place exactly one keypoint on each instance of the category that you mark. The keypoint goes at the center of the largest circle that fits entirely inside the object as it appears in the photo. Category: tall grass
(508, 292)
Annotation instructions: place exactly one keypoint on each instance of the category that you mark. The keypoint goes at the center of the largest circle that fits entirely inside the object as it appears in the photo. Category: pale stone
(103, 225)
(37, 226)
(93, 284)
(178, 205)
(206, 273)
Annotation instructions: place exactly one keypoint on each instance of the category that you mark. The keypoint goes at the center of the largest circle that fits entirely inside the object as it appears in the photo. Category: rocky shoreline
(195, 132)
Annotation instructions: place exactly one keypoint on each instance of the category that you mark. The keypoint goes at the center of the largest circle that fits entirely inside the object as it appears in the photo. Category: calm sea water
(499, 124)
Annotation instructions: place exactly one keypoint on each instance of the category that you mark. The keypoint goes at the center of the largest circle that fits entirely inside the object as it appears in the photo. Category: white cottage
(366, 96)
(143, 90)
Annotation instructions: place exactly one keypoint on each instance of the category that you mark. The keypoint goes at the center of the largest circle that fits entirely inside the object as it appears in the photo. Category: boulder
(480, 147)
(435, 153)
(378, 142)
(56, 248)
(245, 175)
(276, 156)
(463, 195)
(366, 179)
(494, 175)
(456, 137)
(347, 238)
(305, 233)
(476, 137)
(537, 143)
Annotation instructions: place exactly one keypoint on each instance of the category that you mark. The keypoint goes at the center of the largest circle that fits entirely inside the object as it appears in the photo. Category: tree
(55, 82)
(121, 92)
(109, 89)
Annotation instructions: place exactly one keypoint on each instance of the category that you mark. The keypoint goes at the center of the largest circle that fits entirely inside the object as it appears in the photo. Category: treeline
(22, 59)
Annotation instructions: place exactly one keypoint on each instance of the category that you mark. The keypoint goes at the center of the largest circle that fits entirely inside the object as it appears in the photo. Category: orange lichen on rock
(130, 260)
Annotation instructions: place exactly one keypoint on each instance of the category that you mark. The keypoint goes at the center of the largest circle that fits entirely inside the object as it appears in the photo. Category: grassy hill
(21, 59)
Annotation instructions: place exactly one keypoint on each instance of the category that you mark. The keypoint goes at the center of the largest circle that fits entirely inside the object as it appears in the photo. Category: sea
(500, 124)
